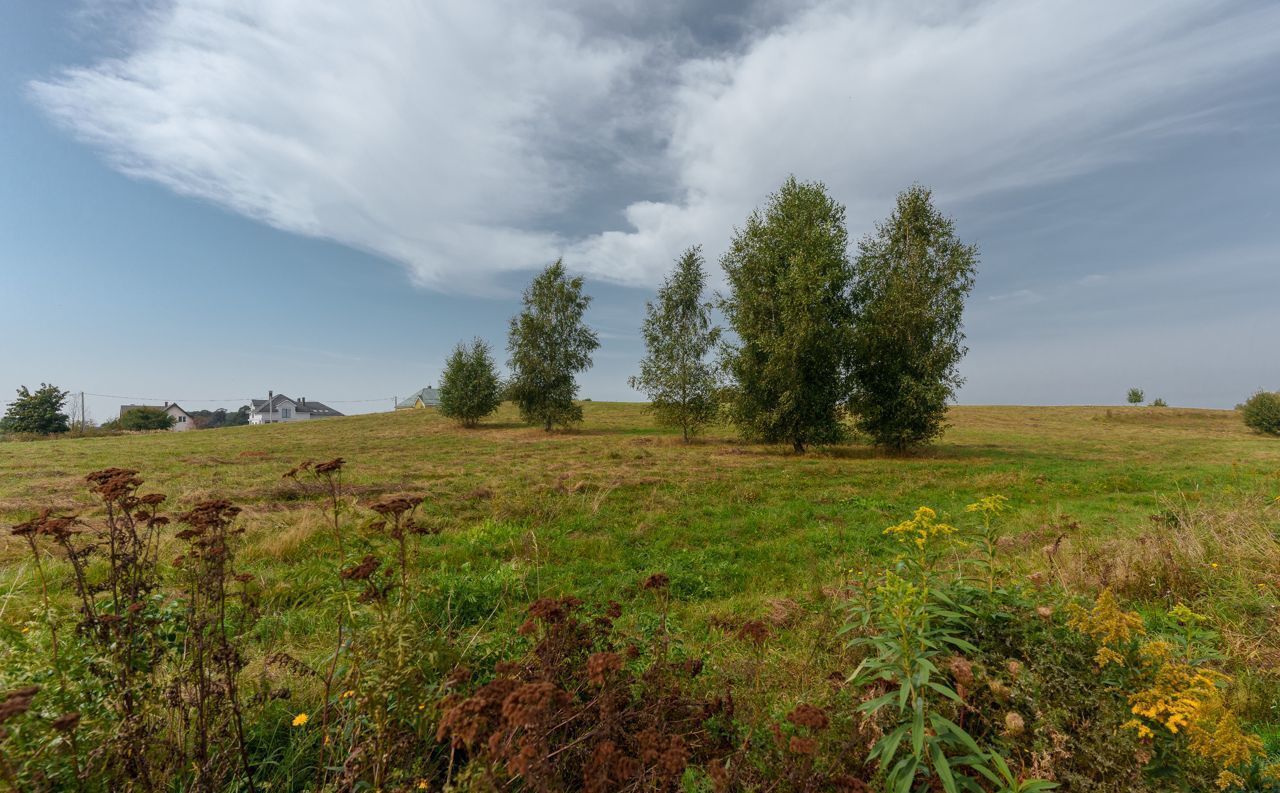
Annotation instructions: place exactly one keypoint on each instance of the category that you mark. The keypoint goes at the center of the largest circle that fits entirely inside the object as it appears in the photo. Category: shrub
(1262, 412)
(1135, 396)
(145, 419)
(470, 388)
(1159, 403)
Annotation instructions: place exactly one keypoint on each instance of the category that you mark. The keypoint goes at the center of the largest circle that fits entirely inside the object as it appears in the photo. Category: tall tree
(38, 411)
(789, 276)
(675, 373)
(549, 344)
(470, 388)
(912, 277)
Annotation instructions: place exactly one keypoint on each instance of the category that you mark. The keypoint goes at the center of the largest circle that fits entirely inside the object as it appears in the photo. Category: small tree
(39, 412)
(1159, 403)
(549, 344)
(678, 334)
(145, 419)
(913, 275)
(1262, 412)
(1136, 396)
(789, 277)
(470, 388)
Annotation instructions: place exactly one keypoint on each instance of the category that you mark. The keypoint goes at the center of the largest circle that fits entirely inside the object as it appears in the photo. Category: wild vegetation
(1068, 596)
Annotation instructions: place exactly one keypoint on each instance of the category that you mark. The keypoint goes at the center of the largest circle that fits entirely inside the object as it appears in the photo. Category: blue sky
(206, 199)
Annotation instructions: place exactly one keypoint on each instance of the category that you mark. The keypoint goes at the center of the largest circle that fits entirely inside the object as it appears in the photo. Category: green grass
(591, 511)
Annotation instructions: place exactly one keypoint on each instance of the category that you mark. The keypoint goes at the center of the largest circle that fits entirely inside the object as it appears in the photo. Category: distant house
(422, 398)
(182, 420)
(278, 409)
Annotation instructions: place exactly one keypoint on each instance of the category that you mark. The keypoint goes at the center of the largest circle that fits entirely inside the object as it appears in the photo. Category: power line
(235, 399)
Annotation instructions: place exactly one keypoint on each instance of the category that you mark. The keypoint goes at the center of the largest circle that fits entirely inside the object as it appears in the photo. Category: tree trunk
(798, 445)
(548, 424)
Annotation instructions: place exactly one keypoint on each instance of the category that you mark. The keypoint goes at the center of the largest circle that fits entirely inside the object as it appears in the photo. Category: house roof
(316, 409)
(276, 401)
(429, 396)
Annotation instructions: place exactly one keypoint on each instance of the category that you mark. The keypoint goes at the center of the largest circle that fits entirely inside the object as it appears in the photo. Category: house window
(182, 419)
(284, 413)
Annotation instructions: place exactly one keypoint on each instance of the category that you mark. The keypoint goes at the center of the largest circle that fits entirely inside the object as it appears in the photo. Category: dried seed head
(362, 571)
(66, 722)
(754, 631)
(657, 582)
(330, 466)
(301, 467)
(1014, 724)
(601, 665)
(804, 715)
(17, 702)
(962, 670)
(803, 746)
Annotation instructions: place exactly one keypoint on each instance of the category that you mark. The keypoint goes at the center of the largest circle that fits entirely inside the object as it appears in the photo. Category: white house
(278, 408)
(182, 420)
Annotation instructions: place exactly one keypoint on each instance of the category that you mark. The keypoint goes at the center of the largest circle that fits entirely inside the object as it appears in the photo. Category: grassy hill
(744, 532)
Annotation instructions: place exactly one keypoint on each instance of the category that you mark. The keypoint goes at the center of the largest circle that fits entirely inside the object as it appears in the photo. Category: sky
(203, 200)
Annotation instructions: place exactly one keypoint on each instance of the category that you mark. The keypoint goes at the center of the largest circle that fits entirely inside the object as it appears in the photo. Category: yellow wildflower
(922, 527)
(991, 505)
(1108, 624)
(300, 719)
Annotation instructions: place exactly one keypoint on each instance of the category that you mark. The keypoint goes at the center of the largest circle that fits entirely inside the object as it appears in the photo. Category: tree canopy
(912, 277)
(549, 344)
(39, 412)
(789, 276)
(675, 373)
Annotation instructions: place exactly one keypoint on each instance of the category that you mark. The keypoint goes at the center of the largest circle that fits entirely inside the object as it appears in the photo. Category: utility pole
(82, 420)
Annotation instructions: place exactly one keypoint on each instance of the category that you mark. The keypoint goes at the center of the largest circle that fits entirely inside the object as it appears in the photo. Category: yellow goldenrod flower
(300, 719)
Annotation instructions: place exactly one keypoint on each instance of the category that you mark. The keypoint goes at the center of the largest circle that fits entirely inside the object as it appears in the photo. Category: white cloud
(969, 99)
(457, 137)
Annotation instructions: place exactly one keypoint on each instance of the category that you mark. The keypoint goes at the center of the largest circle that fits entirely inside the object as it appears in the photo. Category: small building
(182, 420)
(279, 409)
(422, 398)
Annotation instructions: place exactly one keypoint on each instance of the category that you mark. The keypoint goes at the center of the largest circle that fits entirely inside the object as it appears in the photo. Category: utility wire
(236, 399)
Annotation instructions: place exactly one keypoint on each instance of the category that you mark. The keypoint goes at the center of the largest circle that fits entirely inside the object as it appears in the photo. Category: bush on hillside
(145, 419)
(470, 388)
(1262, 412)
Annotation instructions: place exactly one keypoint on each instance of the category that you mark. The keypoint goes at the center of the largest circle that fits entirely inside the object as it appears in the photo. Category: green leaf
(943, 769)
(943, 724)
(945, 691)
